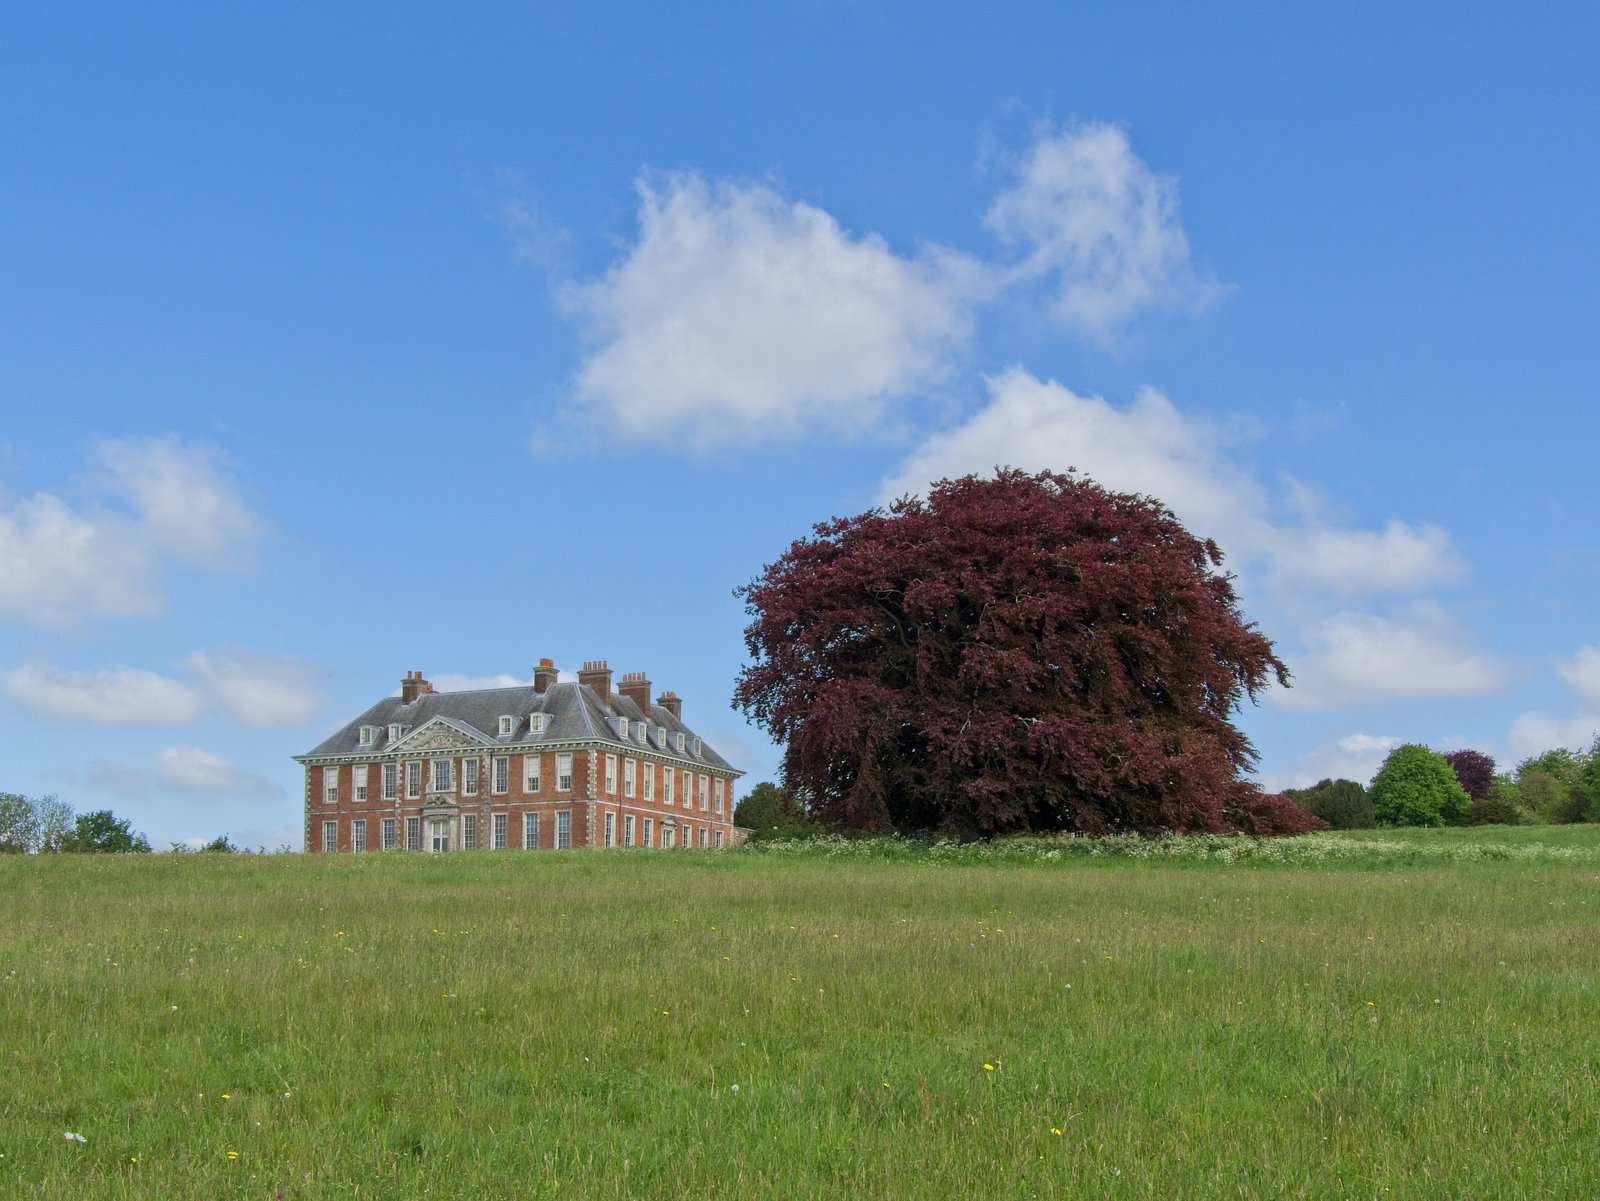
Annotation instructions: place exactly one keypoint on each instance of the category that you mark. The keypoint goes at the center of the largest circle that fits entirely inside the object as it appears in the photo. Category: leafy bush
(1474, 770)
(1417, 787)
(1343, 804)
(1272, 814)
(1492, 810)
(103, 833)
(770, 812)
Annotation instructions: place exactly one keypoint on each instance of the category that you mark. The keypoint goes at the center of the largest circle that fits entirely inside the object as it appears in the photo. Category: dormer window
(642, 732)
(396, 732)
(661, 737)
(678, 741)
(536, 723)
(369, 735)
(507, 723)
(622, 727)
(697, 748)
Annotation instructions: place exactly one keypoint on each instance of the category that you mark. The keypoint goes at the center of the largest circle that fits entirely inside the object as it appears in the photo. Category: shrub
(770, 812)
(1272, 813)
(1492, 810)
(1551, 789)
(1343, 804)
(1416, 787)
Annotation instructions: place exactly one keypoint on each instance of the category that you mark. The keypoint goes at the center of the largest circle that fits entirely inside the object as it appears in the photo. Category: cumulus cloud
(256, 691)
(185, 771)
(739, 314)
(1153, 448)
(1353, 757)
(111, 696)
(1357, 659)
(1535, 733)
(1085, 211)
(259, 691)
(61, 564)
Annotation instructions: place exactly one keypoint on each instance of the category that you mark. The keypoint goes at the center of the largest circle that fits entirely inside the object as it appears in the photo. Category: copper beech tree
(1022, 653)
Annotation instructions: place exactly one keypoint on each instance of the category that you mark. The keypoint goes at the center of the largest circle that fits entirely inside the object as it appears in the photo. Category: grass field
(1381, 1015)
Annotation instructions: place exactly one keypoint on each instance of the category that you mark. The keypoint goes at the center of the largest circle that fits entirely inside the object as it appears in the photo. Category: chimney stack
(598, 676)
(413, 686)
(636, 688)
(544, 675)
(672, 703)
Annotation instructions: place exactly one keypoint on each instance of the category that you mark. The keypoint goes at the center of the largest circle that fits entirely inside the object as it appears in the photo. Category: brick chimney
(637, 689)
(413, 686)
(544, 675)
(598, 676)
(672, 703)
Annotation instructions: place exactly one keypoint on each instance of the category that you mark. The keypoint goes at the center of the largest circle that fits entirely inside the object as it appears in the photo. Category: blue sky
(341, 341)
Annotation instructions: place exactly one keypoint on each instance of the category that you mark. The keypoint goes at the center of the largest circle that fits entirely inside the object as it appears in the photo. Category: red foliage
(1474, 770)
(1018, 653)
(1273, 814)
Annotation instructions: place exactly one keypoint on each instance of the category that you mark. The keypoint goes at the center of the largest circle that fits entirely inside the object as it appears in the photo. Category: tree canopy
(1417, 787)
(1021, 653)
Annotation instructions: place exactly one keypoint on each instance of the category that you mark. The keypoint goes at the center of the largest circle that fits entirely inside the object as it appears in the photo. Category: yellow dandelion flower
(1054, 1130)
(133, 1159)
(988, 1067)
(885, 1084)
(227, 1096)
(233, 1155)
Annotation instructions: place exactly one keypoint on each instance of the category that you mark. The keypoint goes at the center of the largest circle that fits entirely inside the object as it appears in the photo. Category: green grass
(1407, 1015)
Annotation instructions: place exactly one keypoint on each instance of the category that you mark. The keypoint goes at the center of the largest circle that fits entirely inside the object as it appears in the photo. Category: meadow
(1385, 1014)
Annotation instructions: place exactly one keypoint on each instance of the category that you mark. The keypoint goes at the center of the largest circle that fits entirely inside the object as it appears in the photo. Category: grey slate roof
(573, 713)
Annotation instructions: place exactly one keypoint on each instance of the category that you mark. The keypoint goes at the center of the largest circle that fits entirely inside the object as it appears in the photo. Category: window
(413, 780)
(697, 748)
(530, 773)
(391, 781)
(530, 831)
(330, 785)
(358, 782)
(702, 838)
(666, 784)
(622, 727)
(441, 775)
(358, 834)
(536, 723)
(469, 831)
(563, 829)
(661, 737)
(649, 781)
(627, 830)
(611, 829)
(629, 768)
(330, 836)
(500, 831)
(369, 735)
(705, 793)
(441, 835)
(413, 833)
(685, 836)
(396, 731)
(611, 775)
(678, 742)
(718, 840)
(716, 791)
(649, 832)
(506, 723)
(564, 773)
(502, 774)
(388, 833)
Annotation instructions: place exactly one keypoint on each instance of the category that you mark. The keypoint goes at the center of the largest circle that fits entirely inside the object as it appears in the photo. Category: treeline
(1417, 786)
(48, 826)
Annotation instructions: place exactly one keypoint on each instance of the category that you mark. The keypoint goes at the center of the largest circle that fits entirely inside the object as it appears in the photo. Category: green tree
(1552, 786)
(221, 843)
(1343, 804)
(19, 824)
(1417, 787)
(55, 824)
(102, 832)
(772, 812)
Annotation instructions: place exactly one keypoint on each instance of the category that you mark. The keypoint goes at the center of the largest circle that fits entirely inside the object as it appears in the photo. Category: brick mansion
(549, 766)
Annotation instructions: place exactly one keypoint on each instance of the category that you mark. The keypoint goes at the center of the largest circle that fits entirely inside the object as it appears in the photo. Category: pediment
(441, 733)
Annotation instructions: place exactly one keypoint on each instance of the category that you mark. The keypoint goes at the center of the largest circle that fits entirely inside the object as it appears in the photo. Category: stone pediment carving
(438, 735)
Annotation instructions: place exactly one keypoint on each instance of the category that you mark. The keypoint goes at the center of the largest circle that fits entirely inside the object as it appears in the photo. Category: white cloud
(1086, 210)
(1359, 659)
(186, 771)
(1354, 757)
(256, 691)
(739, 314)
(1152, 448)
(1535, 733)
(114, 696)
(449, 681)
(61, 565)
(259, 691)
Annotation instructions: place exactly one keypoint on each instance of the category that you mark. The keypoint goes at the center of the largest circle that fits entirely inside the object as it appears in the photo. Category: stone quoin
(543, 766)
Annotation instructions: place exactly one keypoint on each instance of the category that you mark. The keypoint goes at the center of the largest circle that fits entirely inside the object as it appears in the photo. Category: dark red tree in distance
(1474, 770)
(1022, 653)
